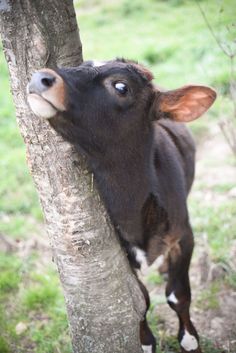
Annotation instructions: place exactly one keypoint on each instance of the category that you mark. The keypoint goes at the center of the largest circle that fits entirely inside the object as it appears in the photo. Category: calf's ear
(184, 104)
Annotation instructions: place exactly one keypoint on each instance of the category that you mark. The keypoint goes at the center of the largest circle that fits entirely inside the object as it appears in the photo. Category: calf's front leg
(178, 292)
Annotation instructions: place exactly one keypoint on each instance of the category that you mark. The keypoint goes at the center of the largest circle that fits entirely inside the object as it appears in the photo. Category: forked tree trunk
(103, 300)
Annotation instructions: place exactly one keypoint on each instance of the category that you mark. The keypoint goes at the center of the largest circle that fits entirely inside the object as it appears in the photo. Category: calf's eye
(121, 87)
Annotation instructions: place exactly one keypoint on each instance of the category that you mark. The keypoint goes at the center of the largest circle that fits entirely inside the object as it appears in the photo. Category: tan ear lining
(187, 103)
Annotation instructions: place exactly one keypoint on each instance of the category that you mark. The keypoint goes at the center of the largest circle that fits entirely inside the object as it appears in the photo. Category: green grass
(10, 274)
(231, 279)
(171, 38)
(218, 222)
(209, 297)
(19, 225)
(159, 35)
(154, 278)
(209, 347)
(223, 187)
(33, 298)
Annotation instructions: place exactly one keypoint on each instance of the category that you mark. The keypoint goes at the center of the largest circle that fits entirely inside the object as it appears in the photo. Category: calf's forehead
(122, 64)
(92, 68)
(104, 63)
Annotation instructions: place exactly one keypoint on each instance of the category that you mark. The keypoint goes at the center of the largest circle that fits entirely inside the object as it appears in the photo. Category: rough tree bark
(103, 301)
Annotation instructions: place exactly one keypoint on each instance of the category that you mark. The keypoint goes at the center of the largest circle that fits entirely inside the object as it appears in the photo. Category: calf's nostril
(40, 82)
(48, 81)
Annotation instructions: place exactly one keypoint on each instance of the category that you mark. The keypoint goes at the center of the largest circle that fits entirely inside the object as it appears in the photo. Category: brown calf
(142, 158)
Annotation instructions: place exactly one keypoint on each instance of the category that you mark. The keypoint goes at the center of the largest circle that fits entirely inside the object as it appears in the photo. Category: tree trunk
(103, 300)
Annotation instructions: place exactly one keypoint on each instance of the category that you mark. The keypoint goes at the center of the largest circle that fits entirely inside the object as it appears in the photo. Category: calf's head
(108, 101)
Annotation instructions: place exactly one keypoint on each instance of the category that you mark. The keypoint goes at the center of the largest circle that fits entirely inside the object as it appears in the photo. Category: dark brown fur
(142, 160)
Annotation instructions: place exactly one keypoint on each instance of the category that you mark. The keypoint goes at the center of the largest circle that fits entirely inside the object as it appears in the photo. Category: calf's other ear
(184, 104)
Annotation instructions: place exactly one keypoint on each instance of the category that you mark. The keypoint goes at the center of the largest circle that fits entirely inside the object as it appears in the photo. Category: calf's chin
(41, 107)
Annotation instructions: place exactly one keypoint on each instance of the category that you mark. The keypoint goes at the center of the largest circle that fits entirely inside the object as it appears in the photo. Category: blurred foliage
(209, 297)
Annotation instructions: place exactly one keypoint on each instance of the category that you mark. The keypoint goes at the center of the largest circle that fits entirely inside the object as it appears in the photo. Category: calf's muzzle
(46, 93)
(40, 82)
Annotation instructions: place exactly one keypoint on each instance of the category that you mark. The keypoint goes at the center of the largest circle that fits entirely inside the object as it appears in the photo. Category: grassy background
(172, 39)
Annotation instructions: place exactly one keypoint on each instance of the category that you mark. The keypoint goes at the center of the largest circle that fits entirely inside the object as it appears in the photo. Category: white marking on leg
(141, 258)
(98, 63)
(189, 342)
(140, 255)
(147, 349)
(172, 298)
